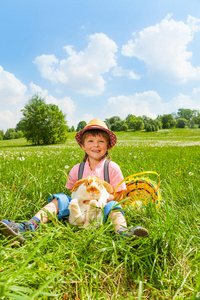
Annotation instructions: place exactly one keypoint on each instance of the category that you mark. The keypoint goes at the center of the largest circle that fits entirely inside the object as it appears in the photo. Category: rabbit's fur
(89, 196)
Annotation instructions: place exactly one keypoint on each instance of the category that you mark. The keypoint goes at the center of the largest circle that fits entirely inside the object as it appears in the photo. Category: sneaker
(11, 229)
(134, 232)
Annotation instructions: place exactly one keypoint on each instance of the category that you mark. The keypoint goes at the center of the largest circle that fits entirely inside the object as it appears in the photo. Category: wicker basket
(140, 190)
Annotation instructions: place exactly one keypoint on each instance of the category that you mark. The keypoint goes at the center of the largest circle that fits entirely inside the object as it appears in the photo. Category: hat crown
(97, 122)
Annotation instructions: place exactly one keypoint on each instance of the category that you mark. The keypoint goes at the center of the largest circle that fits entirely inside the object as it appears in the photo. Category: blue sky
(98, 59)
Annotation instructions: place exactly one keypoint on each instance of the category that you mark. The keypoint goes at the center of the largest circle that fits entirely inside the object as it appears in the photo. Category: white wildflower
(21, 158)
(191, 174)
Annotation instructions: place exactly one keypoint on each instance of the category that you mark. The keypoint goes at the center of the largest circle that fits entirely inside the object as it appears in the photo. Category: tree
(196, 120)
(119, 126)
(110, 121)
(145, 120)
(9, 134)
(182, 123)
(20, 125)
(152, 125)
(188, 114)
(158, 122)
(130, 121)
(139, 125)
(18, 134)
(168, 121)
(134, 122)
(1, 135)
(12, 133)
(81, 125)
(72, 129)
(43, 123)
(185, 114)
(124, 127)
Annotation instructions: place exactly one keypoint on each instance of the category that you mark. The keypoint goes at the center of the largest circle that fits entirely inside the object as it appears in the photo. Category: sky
(99, 58)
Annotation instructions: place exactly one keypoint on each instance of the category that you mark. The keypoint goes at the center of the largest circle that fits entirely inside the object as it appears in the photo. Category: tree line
(45, 124)
(182, 119)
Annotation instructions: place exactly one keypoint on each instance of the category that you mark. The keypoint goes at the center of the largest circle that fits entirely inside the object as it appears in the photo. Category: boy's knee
(115, 213)
(55, 201)
(62, 201)
(112, 206)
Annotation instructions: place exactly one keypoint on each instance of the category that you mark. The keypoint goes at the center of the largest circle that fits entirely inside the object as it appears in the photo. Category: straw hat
(97, 124)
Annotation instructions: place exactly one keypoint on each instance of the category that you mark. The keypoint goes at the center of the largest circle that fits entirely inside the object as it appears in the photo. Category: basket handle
(138, 174)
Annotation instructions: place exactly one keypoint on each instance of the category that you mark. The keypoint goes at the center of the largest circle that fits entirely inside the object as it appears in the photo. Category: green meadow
(60, 261)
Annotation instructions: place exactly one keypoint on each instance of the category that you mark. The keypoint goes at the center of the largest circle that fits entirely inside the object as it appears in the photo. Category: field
(60, 261)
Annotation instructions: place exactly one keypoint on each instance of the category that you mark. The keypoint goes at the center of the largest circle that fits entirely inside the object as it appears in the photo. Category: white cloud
(12, 91)
(82, 71)
(193, 23)
(48, 66)
(88, 117)
(186, 101)
(149, 103)
(65, 104)
(119, 72)
(139, 104)
(12, 97)
(163, 48)
(9, 119)
(35, 89)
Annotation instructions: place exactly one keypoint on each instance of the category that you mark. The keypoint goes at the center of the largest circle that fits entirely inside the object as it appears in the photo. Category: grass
(62, 262)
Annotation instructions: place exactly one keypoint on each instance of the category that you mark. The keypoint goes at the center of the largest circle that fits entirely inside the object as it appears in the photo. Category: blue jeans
(64, 200)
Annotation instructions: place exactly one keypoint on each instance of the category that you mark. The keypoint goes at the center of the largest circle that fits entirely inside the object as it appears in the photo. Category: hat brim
(113, 138)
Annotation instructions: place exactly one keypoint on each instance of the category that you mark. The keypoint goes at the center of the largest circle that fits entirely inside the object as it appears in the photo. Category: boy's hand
(111, 198)
(118, 197)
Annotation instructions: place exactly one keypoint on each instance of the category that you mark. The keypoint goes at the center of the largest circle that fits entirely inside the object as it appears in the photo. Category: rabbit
(89, 196)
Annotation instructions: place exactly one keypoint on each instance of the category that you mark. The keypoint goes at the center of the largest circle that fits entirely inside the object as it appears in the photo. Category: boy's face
(95, 146)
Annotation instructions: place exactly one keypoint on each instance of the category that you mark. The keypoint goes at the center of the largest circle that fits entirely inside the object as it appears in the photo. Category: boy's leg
(119, 222)
(58, 205)
(11, 229)
(51, 207)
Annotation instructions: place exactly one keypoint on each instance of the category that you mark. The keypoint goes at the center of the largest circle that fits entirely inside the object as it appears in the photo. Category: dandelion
(66, 167)
(21, 158)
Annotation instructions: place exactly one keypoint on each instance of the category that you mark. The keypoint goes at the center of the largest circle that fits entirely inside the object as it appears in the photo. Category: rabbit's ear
(77, 184)
(108, 187)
